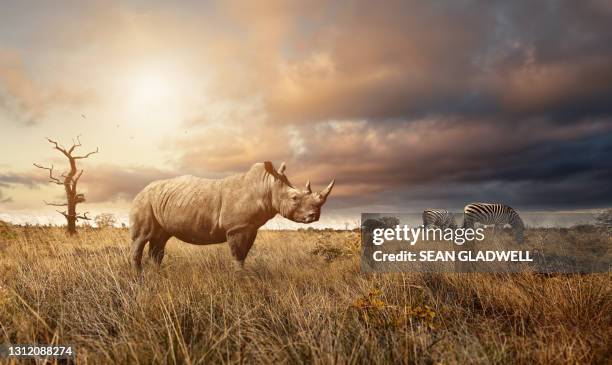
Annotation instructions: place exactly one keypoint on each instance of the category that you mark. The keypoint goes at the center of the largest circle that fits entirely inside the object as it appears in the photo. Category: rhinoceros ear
(269, 167)
(272, 171)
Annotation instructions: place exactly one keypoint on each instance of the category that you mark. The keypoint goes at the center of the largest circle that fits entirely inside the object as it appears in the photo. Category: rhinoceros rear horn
(325, 192)
(281, 169)
(308, 187)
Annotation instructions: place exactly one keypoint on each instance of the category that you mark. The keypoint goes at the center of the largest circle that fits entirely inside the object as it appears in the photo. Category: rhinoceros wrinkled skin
(204, 211)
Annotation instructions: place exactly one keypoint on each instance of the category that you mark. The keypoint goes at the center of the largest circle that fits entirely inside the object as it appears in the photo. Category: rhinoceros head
(303, 206)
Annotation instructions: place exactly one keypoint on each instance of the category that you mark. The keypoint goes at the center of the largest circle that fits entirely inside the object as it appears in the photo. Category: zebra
(439, 217)
(494, 213)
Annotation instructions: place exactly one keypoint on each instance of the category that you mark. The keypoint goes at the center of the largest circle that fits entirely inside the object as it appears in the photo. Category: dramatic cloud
(22, 98)
(29, 180)
(369, 158)
(101, 183)
(407, 103)
(106, 183)
(411, 59)
(387, 98)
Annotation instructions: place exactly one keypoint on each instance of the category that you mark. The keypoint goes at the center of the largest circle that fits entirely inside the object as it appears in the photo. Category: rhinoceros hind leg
(138, 245)
(157, 247)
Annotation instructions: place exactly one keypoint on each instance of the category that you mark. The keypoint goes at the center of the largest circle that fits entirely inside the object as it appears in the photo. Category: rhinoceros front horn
(325, 192)
(308, 187)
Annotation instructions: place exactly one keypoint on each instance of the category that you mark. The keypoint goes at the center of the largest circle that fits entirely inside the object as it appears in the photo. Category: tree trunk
(70, 187)
(71, 217)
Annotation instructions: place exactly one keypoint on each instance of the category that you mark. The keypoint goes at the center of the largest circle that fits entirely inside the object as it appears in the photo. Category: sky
(407, 104)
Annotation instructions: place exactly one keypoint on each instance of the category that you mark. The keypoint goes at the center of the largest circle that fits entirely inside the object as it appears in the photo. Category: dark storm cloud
(568, 193)
(484, 161)
(412, 59)
(550, 161)
(546, 176)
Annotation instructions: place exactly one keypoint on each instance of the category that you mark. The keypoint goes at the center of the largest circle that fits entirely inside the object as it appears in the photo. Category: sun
(151, 88)
(159, 93)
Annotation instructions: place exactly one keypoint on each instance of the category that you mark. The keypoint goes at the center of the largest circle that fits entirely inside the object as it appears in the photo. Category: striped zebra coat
(439, 217)
(496, 214)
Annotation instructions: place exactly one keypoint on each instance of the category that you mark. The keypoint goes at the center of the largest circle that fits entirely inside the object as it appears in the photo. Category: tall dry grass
(297, 303)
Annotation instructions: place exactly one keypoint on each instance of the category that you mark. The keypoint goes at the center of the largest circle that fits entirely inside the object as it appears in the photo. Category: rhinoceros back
(186, 207)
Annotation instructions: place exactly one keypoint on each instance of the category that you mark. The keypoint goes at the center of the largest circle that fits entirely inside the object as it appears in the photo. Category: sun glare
(158, 94)
(150, 89)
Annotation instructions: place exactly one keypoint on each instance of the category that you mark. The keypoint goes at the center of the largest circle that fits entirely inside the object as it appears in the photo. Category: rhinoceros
(204, 211)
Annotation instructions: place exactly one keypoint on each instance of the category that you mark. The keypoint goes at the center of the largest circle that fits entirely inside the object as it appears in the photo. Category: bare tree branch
(56, 204)
(76, 179)
(55, 143)
(52, 178)
(62, 213)
(87, 155)
(58, 147)
(83, 216)
(75, 144)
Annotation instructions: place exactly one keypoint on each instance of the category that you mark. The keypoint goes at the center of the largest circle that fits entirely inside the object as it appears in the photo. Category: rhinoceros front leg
(240, 242)
(157, 247)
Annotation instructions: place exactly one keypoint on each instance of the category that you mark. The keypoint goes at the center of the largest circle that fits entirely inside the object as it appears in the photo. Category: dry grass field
(301, 300)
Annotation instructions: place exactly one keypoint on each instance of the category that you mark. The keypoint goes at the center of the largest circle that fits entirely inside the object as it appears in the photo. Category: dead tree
(69, 180)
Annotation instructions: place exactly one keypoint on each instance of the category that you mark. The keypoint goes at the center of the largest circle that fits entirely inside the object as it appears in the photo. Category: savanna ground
(303, 299)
